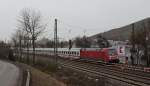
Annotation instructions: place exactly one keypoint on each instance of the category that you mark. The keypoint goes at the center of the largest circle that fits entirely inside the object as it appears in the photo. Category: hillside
(124, 33)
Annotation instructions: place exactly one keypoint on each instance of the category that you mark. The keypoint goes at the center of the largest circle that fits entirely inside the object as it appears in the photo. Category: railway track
(116, 67)
(107, 72)
(138, 78)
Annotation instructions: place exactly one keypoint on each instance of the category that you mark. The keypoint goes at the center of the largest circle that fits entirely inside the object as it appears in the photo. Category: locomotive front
(112, 55)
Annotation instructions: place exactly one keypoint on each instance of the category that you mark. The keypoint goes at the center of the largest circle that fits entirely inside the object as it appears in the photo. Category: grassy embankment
(47, 66)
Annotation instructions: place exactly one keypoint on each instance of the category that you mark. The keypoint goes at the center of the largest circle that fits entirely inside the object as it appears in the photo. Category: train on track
(107, 55)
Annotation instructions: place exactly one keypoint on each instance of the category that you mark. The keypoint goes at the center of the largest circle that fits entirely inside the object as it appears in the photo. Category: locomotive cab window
(112, 51)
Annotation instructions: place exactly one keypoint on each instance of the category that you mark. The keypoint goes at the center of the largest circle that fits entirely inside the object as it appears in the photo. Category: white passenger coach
(63, 52)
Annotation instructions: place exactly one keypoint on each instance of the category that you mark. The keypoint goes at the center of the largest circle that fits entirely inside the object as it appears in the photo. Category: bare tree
(31, 22)
(83, 42)
(17, 41)
(140, 38)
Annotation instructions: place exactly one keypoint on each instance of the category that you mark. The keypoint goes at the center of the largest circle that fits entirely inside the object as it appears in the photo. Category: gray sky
(79, 16)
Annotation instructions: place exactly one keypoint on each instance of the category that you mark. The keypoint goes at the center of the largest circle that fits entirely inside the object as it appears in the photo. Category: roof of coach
(59, 49)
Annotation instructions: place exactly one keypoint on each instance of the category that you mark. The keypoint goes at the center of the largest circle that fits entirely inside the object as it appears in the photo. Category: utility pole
(145, 46)
(33, 43)
(133, 37)
(133, 44)
(20, 47)
(55, 41)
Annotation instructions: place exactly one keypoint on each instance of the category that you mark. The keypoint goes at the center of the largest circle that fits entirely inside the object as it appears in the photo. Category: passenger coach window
(75, 53)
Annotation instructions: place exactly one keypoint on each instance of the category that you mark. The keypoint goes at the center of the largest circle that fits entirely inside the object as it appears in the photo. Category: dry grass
(40, 78)
(68, 76)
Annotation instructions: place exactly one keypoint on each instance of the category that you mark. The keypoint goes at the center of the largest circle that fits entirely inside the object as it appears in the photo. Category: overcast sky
(77, 17)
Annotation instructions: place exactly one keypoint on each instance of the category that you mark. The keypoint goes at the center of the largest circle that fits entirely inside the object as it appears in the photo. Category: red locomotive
(108, 55)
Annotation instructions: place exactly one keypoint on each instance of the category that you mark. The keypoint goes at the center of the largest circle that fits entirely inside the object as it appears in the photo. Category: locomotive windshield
(112, 51)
